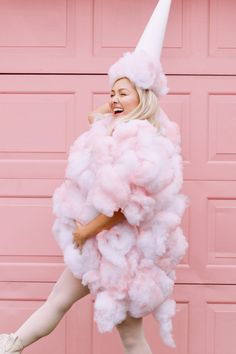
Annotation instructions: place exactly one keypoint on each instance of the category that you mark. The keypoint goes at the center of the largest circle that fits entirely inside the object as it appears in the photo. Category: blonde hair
(148, 107)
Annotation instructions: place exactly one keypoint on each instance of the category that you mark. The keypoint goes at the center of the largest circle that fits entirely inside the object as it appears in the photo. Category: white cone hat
(142, 66)
(153, 35)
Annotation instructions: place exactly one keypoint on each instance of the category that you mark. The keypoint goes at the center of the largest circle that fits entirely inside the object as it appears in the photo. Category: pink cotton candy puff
(138, 67)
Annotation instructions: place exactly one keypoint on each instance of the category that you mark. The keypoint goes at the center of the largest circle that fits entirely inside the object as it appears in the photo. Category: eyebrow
(120, 89)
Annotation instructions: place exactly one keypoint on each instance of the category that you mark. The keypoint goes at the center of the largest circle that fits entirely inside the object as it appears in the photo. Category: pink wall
(42, 113)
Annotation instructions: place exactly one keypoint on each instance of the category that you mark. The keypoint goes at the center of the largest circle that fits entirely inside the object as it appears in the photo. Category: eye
(123, 94)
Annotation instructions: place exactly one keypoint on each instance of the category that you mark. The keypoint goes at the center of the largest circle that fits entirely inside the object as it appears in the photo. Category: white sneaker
(10, 343)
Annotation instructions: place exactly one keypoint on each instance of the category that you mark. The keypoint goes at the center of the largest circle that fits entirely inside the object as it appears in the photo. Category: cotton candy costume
(131, 267)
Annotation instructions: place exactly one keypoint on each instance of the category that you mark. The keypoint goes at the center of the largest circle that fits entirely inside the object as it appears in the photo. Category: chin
(120, 115)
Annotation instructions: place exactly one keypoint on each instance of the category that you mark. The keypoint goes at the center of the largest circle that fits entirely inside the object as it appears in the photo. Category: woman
(117, 222)
(119, 210)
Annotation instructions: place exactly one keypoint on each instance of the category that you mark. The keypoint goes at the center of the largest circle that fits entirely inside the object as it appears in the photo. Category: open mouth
(117, 111)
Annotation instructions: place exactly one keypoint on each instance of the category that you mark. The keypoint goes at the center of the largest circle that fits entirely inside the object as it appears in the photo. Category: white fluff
(131, 267)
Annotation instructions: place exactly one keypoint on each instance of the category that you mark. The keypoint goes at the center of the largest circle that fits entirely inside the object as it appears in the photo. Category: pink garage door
(54, 57)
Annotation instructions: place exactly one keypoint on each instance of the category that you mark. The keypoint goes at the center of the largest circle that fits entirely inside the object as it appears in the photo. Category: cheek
(131, 104)
(110, 104)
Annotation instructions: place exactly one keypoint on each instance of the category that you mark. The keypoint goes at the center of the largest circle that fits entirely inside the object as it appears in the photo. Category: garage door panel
(212, 225)
(207, 121)
(53, 40)
(204, 322)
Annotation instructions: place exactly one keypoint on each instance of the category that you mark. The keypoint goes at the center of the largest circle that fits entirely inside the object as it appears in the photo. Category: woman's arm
(101, 222)
(105, 108)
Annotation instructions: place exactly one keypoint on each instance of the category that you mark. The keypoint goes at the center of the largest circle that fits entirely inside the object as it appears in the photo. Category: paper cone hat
(142, 66)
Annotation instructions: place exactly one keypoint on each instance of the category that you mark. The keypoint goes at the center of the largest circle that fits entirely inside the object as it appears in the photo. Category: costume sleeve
(139, 169)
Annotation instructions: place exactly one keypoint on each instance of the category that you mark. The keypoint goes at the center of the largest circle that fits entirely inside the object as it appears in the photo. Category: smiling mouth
(117, 111)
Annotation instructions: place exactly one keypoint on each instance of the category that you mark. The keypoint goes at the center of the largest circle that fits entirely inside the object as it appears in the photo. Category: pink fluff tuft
(156, 287)
(139, 68)
(163, 314)
(108, 312)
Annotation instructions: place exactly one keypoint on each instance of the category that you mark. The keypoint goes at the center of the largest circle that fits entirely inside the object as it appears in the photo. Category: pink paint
(41, 115)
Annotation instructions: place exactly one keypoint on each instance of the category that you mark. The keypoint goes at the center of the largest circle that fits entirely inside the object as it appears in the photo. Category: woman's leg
(66, 291)
(132, 336)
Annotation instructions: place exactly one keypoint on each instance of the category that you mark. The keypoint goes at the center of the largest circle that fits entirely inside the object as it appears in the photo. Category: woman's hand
(105, 108)
(79, 236)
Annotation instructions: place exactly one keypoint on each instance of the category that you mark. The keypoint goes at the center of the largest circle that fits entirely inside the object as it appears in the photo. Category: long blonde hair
(148, 107)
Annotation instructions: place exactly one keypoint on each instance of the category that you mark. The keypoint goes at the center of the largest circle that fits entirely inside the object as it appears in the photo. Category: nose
(115, 99)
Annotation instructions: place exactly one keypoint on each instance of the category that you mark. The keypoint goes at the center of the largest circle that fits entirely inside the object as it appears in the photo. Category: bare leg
(66, 291)
(132, 336)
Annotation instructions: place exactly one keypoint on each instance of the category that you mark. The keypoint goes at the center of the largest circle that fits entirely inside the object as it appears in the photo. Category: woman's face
(123, 99)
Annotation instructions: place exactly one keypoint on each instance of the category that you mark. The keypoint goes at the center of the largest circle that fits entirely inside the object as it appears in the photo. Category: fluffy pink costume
(131, 267)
